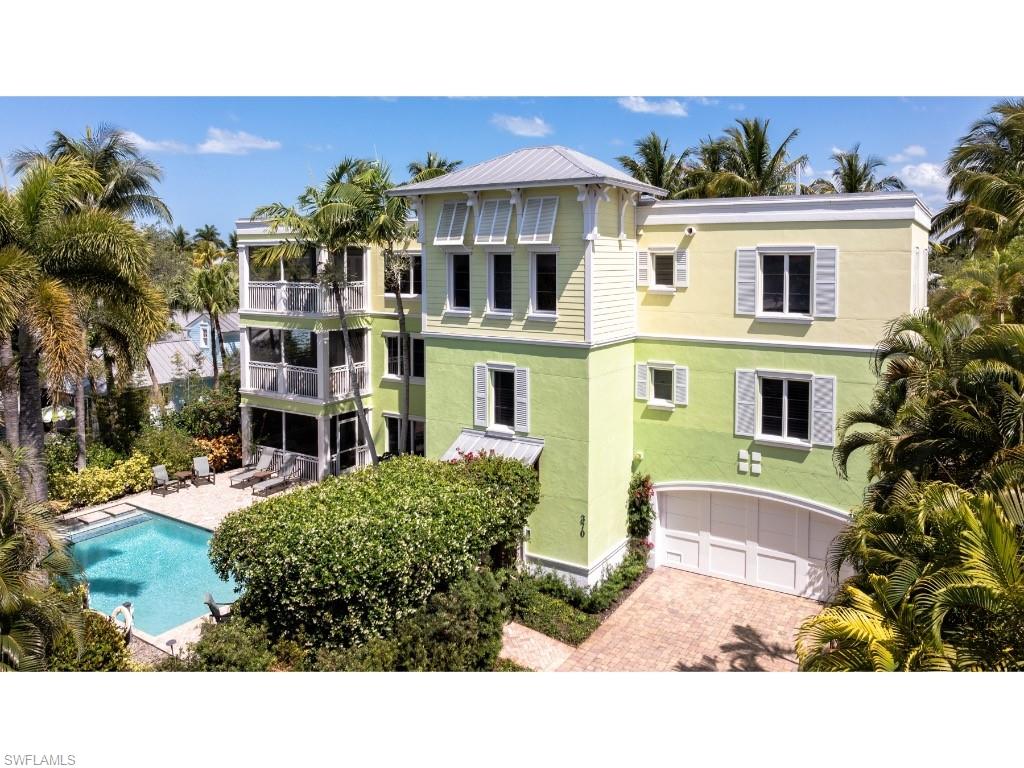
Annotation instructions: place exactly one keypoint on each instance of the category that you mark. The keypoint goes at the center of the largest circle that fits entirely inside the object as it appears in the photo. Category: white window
(458, 282)
(537, 222)
(785, 408)
(544, 284)
(410, 281)
(451, 224)
(395, 357)
(416, 435)
(499, 283)
(662, 385)
(501, 397)
(663, 269)
(787, 283)
(492, 222)
(204, 336)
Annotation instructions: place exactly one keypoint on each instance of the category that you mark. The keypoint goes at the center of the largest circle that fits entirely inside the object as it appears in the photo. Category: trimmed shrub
(99, 455)
(556, 618)
(459, 630)
(639, 510)
(214, 414)
(224, 452)
(344, 561)
(103, 649)
(95, 485)
(234, 646)
(59, 454)
(170, 446)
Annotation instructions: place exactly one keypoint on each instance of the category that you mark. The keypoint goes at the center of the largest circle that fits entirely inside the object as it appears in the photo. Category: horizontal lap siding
(614, 285)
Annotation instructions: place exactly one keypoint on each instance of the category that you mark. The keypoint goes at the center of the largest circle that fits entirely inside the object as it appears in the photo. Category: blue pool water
(159, 564)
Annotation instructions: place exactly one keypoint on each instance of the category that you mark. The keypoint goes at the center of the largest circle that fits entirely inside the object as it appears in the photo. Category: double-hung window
(501, 397)
(544, 282)
(395, 357)
(500, 300)
(786, 283)
(664, 269)
(503, 386)
(204, 336)
(458, 282)
(785, 412)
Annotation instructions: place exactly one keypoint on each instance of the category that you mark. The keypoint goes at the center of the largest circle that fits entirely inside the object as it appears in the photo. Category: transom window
(501, 282)
(664, 269)
(458, 297)
(786, 283)
(785, 408)
(503, 385)
(545, 283)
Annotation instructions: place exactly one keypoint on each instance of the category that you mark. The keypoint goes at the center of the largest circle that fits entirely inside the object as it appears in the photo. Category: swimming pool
(157, 563)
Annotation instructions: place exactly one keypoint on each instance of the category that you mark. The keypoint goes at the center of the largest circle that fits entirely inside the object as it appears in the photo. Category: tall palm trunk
(80, 423)
(213, 351)
(364, 427)
(94, 415)
(405, 350)
(9, 374)
(220, 339)
(30, 421)
(155, 393)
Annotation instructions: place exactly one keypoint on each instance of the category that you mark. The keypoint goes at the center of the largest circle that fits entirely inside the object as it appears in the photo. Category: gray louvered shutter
(643, 270)
(682, 269)
(546, 224)
(641, 381)
(459, 222)
(480, 395)
(826, 282)
(746, 281)
(746, 402)
(682, 385)
(522, 393)
(485, 220)
(444, 223)
(823, 416)
(528, 221)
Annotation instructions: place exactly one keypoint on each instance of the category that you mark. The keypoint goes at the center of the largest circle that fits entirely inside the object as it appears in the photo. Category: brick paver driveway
(682, 621)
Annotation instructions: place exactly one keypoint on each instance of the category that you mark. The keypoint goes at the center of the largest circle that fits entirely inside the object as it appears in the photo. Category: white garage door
(762, 542)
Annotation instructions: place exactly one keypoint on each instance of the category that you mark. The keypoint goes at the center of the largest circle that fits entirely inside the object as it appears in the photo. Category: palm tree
(180, 240)
(990, 288)
(652, 163)
(434, 166)
(385, 219)
(135, 315)
(211, 288)
(208, 234)
(986, 186)
(325, 216)
(708, 162)
(33, 614)
(751, 166)
(853, 173)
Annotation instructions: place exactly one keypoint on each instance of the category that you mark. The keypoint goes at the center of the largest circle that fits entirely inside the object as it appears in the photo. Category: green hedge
(213, 414)
(344, 561)
(556, 618)
(95, 485)
(103, 649)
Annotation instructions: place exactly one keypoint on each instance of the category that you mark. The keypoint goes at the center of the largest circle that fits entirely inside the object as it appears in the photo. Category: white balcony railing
(341, 462)
(308, 466)
(342, 385)
(283, 379)
(283, 297)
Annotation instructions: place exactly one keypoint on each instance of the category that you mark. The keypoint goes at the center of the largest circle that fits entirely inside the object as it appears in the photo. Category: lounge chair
(221, 612)
(163, 484)
(288, 474)
(263, 465)
(201, 472)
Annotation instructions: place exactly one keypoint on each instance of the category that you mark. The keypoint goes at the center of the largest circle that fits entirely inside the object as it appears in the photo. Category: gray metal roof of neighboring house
(161, 357)
(228, 322)
(530, 167)
(525, 449)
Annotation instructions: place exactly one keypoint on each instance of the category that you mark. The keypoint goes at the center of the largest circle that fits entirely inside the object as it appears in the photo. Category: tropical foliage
(97, 484)
(856, 173)
(103, 648)
(210, 286)
(989, 287)
(654, 164)
(435, 165)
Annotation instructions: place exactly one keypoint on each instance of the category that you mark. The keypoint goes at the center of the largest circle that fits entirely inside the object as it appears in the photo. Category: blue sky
(222, 157)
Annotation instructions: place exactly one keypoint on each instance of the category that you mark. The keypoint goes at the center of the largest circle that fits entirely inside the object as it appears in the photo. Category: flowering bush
(95, 485)
(224, 452)
(344, 561)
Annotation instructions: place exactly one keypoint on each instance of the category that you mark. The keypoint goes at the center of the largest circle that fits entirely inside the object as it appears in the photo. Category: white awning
(525, 449)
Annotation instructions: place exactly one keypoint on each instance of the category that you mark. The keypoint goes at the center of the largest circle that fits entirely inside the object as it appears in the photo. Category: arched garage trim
(760, 493)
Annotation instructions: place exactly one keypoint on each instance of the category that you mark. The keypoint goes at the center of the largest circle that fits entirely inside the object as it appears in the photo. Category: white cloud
(222, 142)
(837, 151)
(159, 145)
(522, 126)
(737, 107)
(913, 150)
(670, 107)
(706, 102)
(928, 180)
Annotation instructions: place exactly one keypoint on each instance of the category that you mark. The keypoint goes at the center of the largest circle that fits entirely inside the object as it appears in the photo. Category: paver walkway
(686, 622)
(533, 650)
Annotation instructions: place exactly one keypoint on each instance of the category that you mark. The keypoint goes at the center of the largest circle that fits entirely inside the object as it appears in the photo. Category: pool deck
(204, 505)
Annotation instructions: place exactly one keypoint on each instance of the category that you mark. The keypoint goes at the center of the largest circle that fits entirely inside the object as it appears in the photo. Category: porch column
(246, 420)
(243, 357)
(323, 368)
(323, 441)
(243, 277)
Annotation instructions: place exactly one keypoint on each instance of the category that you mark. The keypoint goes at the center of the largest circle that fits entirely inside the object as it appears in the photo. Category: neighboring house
(198, 328)
(564, 315)
(176, 360)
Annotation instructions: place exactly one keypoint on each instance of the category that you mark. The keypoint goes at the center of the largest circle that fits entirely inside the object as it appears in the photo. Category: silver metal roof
(162, 358)
(530, 167)
(184, 319)
(525, 449)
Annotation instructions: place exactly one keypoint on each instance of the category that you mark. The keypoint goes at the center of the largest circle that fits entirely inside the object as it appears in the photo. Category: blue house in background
(197, 326)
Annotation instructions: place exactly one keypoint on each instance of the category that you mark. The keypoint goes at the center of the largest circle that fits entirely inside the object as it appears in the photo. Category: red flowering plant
(639, 510)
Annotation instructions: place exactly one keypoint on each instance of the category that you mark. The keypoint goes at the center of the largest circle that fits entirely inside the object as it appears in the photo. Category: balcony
(281, 297)
(300, 381)
(308, 467)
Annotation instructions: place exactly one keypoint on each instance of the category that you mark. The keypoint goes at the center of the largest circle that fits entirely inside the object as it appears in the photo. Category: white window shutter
(546, 225)
(485, 220)
(444, 222)
(451, 224)
(682, 385)
(480, 395)
(746, 281)
(826, 282)
(682, 268)
(823, 417)
(641, 381)
(522, 391)
(746, 402)
(538, 220)
(643, 270)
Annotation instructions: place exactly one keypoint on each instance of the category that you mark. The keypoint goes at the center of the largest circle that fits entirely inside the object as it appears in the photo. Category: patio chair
(288, 474)
(201, 472)
(163, 484)
(263, 465)
(221, 612)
